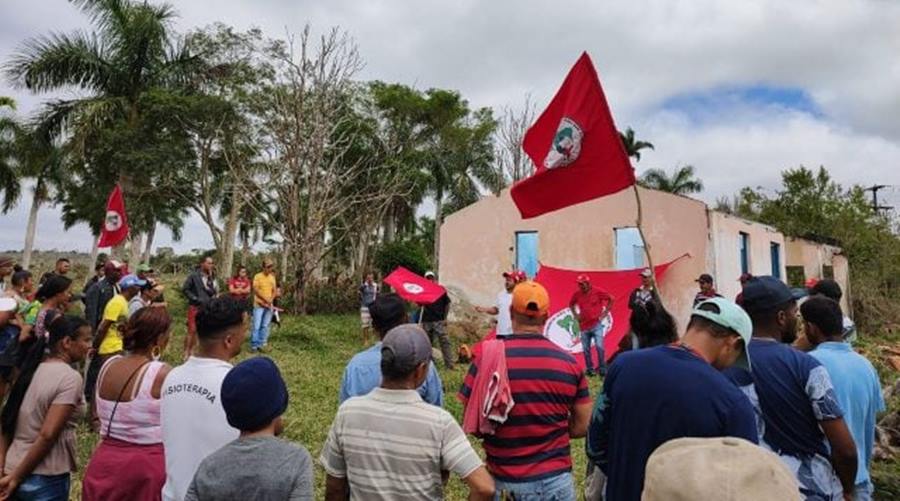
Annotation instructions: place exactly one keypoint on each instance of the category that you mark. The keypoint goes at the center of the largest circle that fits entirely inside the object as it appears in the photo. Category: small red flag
(115, 224)
(412, 287)
(575, 146)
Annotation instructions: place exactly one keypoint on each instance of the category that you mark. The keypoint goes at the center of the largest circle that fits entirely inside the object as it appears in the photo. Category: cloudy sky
(740, 90)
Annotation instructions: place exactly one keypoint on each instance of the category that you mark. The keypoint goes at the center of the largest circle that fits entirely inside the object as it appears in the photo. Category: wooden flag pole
(640, 227)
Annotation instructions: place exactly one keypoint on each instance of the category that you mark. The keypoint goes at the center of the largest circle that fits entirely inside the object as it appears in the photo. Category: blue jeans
(262, 317)
(595, 333)
(558, 488)
(863, 491)
(43, 488)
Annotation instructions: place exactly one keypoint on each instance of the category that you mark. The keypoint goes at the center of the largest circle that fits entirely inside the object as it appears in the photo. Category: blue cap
(253, 394)
(767, 292)
(131, 280)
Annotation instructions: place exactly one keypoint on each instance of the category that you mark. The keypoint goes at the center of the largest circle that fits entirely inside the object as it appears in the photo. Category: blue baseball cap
(131, 280)
(254, 394)
(766, 292)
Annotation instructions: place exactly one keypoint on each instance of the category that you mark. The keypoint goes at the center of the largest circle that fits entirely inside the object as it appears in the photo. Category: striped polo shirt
(546, 383)
(390, 444)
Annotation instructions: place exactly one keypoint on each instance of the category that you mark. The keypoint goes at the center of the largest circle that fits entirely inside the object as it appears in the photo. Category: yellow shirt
(116, 311)
(263, 286)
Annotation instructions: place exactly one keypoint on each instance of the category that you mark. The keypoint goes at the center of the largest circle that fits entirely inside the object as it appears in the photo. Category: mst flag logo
(566, 144)
(562, 329)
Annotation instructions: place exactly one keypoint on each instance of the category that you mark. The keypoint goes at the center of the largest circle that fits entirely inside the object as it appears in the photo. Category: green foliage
(404, 253)
(339, 296)
(681, 182)
(811, 205)
(633, 145)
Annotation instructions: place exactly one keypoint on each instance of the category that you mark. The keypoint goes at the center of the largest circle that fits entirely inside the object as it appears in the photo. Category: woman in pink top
(129, 463)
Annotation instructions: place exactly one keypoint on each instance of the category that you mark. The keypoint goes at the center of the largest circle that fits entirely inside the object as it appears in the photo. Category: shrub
(408, 254)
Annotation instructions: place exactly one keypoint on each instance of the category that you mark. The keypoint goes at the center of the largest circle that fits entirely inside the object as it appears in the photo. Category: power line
(874, 189)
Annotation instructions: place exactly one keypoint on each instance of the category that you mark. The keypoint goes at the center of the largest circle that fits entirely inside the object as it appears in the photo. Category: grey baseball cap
(408, 344)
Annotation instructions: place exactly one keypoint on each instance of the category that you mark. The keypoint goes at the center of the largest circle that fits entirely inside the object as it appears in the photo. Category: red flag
(115, 225)
(575, 146)
(412, 287)
(561, 327)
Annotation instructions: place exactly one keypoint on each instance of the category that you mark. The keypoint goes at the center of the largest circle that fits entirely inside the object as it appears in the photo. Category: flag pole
(640, 227)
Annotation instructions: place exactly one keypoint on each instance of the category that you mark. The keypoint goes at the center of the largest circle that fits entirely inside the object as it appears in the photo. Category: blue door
(775, 250)
(527, 252)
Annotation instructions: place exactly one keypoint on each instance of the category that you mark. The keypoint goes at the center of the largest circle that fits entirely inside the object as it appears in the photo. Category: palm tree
(681, 182)
(129, 53)
(632, 145)
(40, 159)
(9, 177)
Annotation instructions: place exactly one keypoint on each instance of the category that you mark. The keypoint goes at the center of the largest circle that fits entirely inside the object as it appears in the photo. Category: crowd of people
(738, 401)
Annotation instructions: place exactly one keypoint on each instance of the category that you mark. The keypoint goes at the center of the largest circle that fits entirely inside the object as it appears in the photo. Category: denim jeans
(595, 333)
(863, 491)
(44, 488)
(558, 488)
(262, 318)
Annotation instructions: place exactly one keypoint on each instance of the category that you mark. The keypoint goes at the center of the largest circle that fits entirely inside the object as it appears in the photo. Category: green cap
(144, 268)
(733, 317)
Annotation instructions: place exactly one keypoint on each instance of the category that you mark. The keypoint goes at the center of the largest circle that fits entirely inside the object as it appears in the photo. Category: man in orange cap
(529, 454)
(590, 305)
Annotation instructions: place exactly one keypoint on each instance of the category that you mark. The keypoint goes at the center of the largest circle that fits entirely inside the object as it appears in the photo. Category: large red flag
(115, 224)
(412, 287)
(561, 327)
(575, 146)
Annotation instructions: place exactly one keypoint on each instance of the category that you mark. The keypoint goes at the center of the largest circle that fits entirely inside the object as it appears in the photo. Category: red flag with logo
(561, 327)
(412, 287)
(115, 224)
(575, 147)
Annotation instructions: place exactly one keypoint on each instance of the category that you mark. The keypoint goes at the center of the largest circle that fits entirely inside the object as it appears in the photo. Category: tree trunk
(148, 245)
(245, 250)
(135, 259)
(95, 251)
(389, 227)
(230, 232)
(438, 208)
(31, 229)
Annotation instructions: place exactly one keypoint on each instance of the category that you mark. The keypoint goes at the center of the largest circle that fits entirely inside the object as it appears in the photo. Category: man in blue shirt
(855, 381)
(654, 395)
(363, 373)
(798, 414)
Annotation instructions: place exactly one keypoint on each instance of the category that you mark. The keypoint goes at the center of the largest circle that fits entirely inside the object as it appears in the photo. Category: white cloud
(843, 54)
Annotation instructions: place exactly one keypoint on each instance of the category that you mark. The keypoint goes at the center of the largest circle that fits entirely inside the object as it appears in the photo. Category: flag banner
(575, 147)
(115, 224)
(561, 327)
(412, 287)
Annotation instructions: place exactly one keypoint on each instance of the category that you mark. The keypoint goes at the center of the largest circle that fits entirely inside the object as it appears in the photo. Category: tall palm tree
(681, 182)
(41, 160)
(633, 146)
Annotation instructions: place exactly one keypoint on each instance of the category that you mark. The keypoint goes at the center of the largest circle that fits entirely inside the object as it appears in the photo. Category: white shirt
(193, 420)
(504, 322)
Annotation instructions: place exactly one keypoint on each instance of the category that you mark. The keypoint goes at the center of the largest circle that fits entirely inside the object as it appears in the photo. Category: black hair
(766, 317)
(825, 313)
(653, 325)
(99, 266)
(17, 268)
(20, 277)
(237, 271)
(54, 285)
(63, 260)
(391, 369)
(388, 311)
(828, 288)
(703, 323)
(59, 327)
(218, 315)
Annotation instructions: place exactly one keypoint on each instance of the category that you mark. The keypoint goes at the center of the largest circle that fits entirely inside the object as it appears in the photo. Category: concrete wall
(813, 256)
(478, 242)
(725, 264)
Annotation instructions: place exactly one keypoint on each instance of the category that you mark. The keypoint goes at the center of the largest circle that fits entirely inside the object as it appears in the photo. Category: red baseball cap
(583, 279)
(516, 275)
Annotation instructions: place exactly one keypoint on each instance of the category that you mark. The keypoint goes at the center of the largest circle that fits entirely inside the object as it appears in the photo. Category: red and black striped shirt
(546, 383)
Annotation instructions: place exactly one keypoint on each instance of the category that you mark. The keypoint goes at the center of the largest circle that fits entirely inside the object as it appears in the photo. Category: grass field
(312, 352)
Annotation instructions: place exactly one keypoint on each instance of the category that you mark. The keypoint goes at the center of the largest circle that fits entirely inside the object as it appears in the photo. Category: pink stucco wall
(725, 258)
(478, 242)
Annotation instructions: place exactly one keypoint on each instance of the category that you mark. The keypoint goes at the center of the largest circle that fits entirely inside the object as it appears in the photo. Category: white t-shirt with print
(193, 420)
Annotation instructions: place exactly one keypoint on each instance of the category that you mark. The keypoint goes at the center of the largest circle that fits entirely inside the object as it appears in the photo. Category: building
(484, 239)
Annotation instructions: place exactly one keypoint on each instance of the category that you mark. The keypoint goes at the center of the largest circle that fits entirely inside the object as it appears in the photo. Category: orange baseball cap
(531, 299)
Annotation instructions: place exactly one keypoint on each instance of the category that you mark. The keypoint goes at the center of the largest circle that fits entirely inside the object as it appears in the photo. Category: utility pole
(874, 189)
